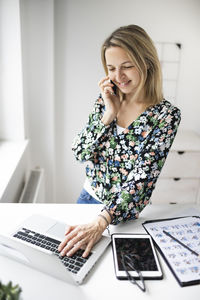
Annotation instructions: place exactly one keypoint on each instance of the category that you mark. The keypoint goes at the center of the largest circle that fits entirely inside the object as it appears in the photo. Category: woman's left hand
(82, 236)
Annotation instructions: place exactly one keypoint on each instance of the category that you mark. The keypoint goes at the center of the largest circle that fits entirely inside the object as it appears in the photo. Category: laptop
(35, 244)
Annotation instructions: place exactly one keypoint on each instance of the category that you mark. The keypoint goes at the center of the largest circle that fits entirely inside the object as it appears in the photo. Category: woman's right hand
(112, 101)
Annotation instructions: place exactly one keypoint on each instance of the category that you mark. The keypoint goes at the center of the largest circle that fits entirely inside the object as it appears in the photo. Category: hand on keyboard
(82, 236)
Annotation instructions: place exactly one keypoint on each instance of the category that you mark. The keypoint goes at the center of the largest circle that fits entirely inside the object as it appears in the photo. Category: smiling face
(122, 70)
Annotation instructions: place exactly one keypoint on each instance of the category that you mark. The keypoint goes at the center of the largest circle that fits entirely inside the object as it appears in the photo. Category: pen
(175, 239)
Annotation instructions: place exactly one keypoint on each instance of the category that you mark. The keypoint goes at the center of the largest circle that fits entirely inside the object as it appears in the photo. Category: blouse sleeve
(135, 193)
(88, 141)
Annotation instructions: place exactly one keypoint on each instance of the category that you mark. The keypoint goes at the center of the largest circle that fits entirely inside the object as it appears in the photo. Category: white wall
(80, 28)
(37, 23)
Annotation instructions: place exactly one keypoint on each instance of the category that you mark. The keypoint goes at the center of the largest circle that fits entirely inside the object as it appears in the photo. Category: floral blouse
(123, 168)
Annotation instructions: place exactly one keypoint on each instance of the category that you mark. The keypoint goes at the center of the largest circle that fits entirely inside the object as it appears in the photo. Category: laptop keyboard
(73, 263)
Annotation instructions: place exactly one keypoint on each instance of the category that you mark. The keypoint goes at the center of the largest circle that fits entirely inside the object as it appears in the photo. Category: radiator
(33, 191)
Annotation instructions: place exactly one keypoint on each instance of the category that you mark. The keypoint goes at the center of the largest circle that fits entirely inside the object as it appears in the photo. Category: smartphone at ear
(114, 87)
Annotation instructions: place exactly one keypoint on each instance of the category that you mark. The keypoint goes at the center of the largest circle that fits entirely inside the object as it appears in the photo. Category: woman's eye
(123, 67)
(128, 67)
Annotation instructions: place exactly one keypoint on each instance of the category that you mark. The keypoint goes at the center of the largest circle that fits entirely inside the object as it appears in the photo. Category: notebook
(35, 243)
(184, 265)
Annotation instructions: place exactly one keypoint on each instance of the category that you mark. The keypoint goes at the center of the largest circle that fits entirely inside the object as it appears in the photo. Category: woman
(127, 137)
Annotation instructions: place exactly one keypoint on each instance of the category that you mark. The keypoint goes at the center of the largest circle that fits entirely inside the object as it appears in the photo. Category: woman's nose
(119, 75)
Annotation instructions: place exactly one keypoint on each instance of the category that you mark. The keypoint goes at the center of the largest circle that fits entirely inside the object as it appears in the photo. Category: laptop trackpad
(57, 231)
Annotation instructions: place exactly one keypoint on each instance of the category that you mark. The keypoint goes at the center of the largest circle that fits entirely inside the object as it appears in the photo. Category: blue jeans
(86, 198)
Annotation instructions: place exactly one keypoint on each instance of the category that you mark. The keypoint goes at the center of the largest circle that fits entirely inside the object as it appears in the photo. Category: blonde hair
(141, 50)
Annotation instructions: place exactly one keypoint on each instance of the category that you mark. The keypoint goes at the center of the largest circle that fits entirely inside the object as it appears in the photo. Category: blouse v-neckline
(146, 113)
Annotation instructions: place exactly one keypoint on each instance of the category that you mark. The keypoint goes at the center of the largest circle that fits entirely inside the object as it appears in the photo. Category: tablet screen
(138, 249)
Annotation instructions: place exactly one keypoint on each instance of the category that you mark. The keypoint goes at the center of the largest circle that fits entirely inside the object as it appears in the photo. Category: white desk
(101, 283)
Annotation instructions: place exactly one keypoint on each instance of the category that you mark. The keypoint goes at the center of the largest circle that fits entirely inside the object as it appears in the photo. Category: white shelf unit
(179, 181)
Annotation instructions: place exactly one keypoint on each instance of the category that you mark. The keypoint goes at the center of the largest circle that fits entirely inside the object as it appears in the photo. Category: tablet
(141, 251)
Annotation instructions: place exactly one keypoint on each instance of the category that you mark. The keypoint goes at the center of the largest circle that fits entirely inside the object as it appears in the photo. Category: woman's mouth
(123, 84)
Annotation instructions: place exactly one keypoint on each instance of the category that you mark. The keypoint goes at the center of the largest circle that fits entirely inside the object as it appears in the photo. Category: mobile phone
(114, 88)
(141, 250)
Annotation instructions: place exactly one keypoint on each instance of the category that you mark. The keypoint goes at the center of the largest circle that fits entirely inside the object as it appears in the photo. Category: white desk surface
(101, 283)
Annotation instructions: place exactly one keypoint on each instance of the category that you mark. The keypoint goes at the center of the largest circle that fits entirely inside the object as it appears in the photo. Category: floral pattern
(123, 168)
